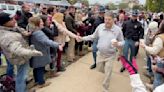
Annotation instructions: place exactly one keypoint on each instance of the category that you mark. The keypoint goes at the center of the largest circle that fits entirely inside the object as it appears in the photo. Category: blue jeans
(22, 71)
(10, 69)
(39, 75)
(94, 51)
(129, 44)
(158, 77)
(149, 65)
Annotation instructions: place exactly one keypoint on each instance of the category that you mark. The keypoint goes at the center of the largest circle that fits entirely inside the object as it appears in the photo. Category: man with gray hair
(109, 37)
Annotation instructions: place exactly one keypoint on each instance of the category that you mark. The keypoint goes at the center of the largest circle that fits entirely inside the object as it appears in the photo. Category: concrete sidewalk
(79, 78)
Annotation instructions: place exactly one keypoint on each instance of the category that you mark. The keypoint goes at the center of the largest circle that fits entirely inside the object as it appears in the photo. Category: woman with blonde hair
(62, 33)
(42, 43)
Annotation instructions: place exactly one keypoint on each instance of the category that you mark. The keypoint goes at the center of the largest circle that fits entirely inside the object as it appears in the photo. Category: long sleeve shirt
(138, 86)
(133, 30)
(156, 47)
(105, 36)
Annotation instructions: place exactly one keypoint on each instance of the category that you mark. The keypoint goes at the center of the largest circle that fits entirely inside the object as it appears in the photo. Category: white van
(9, 8)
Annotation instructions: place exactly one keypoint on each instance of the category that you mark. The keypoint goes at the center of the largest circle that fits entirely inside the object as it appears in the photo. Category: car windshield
(3, 7)
(11, 7)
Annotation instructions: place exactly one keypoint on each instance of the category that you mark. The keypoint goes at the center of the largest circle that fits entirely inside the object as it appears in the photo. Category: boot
(93, 66)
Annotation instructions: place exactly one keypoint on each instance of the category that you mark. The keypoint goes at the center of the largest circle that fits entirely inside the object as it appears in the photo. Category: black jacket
(133, 30)
(70, 23)
(23, 21)
(97, 22)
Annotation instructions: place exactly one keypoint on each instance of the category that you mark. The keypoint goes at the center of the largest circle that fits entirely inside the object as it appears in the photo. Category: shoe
(81, 53)
(149, 86)
(93, 66)
(122, 70)
(44, 85)
(61, 69)
(32, 90)
(54, 74)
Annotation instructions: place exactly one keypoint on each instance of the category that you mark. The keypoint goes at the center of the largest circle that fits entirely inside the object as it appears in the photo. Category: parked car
(9, 8)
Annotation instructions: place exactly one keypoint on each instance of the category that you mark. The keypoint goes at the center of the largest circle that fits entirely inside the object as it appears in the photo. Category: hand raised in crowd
(61, 47)
(78, 34)
(136, 44)
(36, 53)
(142, 44)
(154, 68)
(26, 33)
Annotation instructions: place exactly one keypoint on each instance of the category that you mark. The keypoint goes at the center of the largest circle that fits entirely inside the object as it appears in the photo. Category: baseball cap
(5, 17)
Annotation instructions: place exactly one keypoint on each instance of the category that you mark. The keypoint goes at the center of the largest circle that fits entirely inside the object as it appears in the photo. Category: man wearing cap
(99, 20)
(133, 32)
(16, 49)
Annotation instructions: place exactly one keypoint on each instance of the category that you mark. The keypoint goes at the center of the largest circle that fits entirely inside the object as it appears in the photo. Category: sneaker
(54, 74)
(81, 53)
(32, 90)
(44, 85)
(93, 66)
(122, 70)
(61, 69)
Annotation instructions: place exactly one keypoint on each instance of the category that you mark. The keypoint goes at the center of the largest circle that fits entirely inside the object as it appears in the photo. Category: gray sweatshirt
(105, 36)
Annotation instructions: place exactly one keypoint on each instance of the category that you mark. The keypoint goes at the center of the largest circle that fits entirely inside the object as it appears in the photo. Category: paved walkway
(79, 78)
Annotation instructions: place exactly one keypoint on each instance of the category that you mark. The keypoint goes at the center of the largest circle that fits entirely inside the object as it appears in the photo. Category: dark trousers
(149, 64)
(59, 64)
(95, 49)
(38, 74)
(10, 69)
(136, 51)
(79, 46)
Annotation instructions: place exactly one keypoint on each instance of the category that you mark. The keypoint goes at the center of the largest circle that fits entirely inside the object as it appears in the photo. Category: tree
(155, 5)
(138, 7)
(112, 6)
(123, 5)
(72, 1)
(85, 2)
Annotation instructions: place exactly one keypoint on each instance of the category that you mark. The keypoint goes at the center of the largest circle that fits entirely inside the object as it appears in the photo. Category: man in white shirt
(109, 37)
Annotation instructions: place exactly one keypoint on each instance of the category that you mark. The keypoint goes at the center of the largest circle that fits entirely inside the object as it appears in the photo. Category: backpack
(7, 83)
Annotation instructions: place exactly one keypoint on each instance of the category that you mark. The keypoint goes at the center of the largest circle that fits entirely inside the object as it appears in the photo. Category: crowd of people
(39, 39)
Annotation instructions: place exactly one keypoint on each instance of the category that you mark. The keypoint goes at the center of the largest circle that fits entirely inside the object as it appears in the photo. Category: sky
(107, 1)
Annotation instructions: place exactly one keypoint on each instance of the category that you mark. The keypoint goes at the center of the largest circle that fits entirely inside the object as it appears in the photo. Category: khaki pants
(71, 50)
(105, 65)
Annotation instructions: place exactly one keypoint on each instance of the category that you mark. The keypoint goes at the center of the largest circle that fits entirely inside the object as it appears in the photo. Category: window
(11, 7)
(3, 7)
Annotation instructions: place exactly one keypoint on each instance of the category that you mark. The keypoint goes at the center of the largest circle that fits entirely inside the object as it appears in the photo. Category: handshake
(79, 38)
